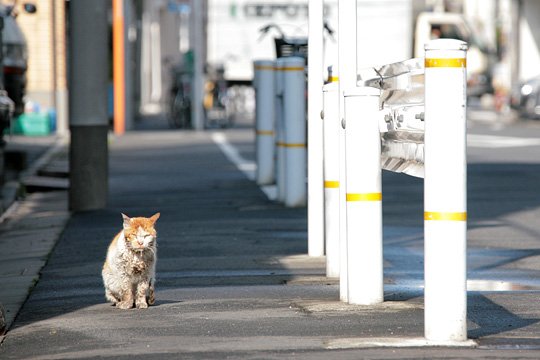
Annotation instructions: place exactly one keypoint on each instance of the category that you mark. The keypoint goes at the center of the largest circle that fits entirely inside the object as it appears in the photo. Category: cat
(130, 267)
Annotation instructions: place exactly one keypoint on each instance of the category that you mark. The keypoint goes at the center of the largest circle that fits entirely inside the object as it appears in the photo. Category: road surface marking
(248, 167)
(494, 141)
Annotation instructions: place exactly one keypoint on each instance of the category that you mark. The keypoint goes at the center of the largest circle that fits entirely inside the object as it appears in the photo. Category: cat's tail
(151, 292)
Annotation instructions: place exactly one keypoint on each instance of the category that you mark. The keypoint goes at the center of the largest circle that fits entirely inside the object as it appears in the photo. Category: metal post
(128, 73)
(331, 129)
(364, 197)
(280, 130)
(264, 119)
(5, 121)
(88, 104)
(294, 118)
(119, 68)
(198, 46)
(347, 80)
(60, 97)
(315, 131)
(514, 43)
(445, 191)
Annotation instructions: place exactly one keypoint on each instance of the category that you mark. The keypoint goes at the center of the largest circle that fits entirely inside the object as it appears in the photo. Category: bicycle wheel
(180, 112)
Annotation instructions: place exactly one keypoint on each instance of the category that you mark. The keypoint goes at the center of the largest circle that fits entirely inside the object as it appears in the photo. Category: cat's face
(139, 232)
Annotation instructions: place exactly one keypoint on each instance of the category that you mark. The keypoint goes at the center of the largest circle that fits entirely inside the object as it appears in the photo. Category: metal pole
(5, 121)
(294, 118)
(59, 66)
(331, 129)
(315, 131)
(347, 80)
(198, 66)
(514, 43)
(119, 68)
(264, 121)
(88, 104)
(445, 191)
(364, 197)
(128, 73)
(280, 130)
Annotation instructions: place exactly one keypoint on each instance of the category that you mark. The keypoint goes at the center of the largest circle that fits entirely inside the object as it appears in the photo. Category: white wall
(160, 50)
(384, 30)
(529, 59)
(233, 31)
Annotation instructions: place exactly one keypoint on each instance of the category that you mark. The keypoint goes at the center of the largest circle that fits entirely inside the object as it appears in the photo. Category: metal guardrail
(402, 113)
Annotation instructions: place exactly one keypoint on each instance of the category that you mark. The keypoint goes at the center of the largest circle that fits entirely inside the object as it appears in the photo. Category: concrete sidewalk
(30, 224)
(233, 280)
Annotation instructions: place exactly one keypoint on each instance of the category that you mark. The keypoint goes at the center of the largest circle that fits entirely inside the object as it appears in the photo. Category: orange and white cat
(130, 268)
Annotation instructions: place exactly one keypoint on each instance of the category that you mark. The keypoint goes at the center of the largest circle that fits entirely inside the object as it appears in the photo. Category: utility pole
(88, 70)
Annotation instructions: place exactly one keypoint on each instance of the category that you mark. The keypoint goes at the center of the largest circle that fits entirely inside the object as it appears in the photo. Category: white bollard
(280, 130)
(315, 130)
(294, 119)
(347, 57)
(264, 121)
(331, 129)
(364, 197)
(445, 191)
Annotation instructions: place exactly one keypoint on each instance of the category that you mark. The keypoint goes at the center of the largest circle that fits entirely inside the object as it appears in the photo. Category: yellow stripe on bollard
(264, 132)
(365, 197)
(445, 216)
(331, 184)
(291, 145)
(446, 63)
(292, 68)
(333, 79)
(264, 67)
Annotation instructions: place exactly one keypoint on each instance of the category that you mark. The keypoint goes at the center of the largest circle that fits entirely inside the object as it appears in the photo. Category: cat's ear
(154, 217)
(127, 220)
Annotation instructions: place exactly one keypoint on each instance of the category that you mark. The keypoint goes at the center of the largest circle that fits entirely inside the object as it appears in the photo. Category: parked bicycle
(180, 95)
(287, 46)
(180, 101)
(216, 99)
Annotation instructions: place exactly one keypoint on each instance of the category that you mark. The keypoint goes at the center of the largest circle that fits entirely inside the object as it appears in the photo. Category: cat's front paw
(124, 305)
(142, 305)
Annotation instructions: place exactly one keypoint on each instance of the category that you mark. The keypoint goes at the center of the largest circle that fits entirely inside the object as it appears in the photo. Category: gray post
(515, 41)
(88, 73)
(128, 74)
(198, 46)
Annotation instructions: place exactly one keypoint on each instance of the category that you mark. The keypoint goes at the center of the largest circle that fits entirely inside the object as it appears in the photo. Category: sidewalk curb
(30, 228)
(13, 189)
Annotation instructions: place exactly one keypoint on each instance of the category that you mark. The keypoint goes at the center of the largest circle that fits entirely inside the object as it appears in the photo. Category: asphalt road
(233, 280)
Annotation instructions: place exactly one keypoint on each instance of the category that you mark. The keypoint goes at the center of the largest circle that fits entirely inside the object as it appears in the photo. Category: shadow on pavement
(492, 318)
